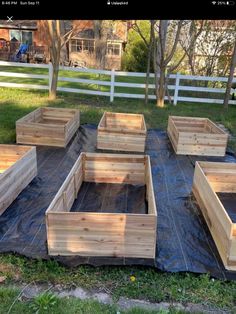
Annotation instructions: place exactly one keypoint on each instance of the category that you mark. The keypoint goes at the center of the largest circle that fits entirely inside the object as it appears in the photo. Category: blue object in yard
(22, 50)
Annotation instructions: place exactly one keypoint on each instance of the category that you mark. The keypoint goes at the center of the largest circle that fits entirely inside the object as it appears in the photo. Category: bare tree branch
(165, 48)
(138, 30)
(170, 56)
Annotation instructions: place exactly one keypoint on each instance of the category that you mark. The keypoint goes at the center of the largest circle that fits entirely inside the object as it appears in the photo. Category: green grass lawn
(149, 284)
(15, 103)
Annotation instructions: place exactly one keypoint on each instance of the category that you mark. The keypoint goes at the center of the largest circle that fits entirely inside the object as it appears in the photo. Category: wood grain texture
(48, 126)
(209, 178)
(122, 132)
(196, 136)
(18, 167)
(102, 234)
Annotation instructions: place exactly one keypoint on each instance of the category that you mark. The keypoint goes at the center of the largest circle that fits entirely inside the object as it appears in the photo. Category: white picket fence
(180, 80)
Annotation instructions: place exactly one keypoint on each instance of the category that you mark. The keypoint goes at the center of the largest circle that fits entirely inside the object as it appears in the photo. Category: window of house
(27, 37)
(113, 49)
(88, 45)
(76, 45)
(82, 45)
(22, 36)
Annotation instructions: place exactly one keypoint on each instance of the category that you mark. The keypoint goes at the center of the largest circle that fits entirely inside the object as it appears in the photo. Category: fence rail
(114, 83)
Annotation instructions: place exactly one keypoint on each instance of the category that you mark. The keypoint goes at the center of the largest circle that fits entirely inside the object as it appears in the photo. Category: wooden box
(211, 179)
(48, 126)
(18, 167)
(98, 233)
(196, 136)
(122, 132)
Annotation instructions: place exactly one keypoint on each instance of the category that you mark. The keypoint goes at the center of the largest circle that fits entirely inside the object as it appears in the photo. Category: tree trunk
(100, 53)
(100, 36)
(55, 59)
(152, 35)
(230, 78)
(53, 89)
(64, 55)
(57, 39)
(166, 88)
(161, 90)
(161, 63)
(147, 76)
(155, 67)
(54, 30)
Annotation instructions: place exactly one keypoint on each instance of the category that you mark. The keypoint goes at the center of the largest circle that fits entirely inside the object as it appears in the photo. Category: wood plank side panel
(212, 127)
(38, 134)
(135, 144)
(211, 200)
(150, 190)
(221, 243)
(58, 113)
(232, 252)
(33, 116)
(217, 219)
(152, 210)
(221, 176)
(188, 119)
(200, 150)
(17, 177)
(66, 195)
(172, 133)
(102, 122)
(114, 169)
(194, 143)
(72, 126)
(91, 234)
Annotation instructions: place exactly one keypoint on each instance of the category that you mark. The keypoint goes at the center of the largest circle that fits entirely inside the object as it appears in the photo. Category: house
(14, 33)
(81, 49)
(82, 46)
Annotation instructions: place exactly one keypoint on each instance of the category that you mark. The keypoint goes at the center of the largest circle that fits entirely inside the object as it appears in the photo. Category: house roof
(89, 34)
(19, 24)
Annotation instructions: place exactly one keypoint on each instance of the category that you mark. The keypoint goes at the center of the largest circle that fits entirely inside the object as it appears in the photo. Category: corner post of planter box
(50, 74)
(177, 79)
(112, 85)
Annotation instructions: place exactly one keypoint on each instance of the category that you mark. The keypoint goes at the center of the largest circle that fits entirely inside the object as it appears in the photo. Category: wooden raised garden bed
(122, 132)
(214, 186)
(48, 126)
(18, 167)
(98, 233)
(196, 136)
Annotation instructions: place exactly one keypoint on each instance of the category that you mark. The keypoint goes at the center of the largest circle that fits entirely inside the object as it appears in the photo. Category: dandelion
(132, 278)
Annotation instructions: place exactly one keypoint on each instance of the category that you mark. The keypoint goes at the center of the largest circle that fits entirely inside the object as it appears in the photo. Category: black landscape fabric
(111, 198)
(184, 242)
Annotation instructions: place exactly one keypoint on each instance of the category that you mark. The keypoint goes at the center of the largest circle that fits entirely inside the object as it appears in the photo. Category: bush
(136, 52)
(135, 60)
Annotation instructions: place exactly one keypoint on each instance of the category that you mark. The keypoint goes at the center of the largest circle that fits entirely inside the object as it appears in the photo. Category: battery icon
(230, 2)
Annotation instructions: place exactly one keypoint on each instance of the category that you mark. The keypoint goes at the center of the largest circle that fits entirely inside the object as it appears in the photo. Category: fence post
(112, 85)
(177, 79)
(50, 74)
